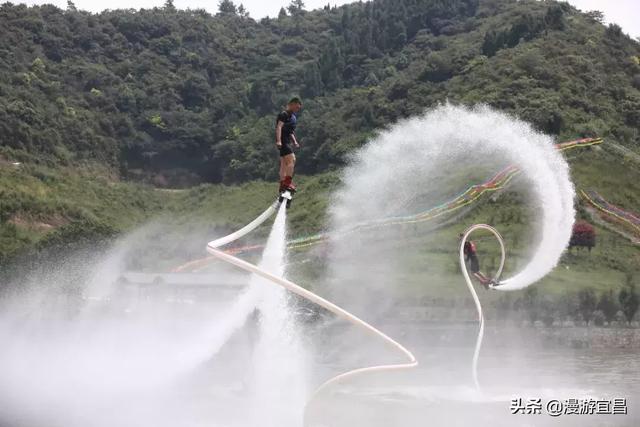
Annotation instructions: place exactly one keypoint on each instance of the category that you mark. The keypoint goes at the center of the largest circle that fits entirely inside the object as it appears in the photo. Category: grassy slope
(232, 206)
(40, 204)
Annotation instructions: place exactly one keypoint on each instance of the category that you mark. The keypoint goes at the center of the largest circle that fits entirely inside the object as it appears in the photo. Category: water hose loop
(476, 300)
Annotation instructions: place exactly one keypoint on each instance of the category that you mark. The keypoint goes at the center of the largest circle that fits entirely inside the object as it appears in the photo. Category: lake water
(130, 377)
(512, 365)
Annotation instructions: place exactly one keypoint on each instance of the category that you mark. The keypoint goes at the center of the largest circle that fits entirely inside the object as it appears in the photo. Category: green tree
(629, 301)
(242, 11)
(168, 6)
(227, 7)
(261, 96)
(555, 17)
(491, 43)
(595, 15)
(438, 69)
(614, 31)
(607, 305)
(331, 65)
(296, 7)
(312, 80)
(586, 303)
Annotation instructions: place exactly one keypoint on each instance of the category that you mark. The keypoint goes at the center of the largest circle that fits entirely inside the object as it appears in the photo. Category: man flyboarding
(471, 259)
(285, 142)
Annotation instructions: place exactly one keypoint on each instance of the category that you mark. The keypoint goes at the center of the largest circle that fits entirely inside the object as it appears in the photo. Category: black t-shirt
(290, 120)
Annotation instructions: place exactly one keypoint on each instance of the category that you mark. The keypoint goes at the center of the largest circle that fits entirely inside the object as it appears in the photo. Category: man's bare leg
(484, 280)
(289, 165)
(282, 169)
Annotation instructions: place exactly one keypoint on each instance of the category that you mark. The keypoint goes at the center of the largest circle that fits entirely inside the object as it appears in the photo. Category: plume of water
(279, 385)
(416, 163)
(65, 360)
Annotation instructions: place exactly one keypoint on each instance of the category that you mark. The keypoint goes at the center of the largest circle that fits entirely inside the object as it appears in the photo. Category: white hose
(212, 248)
(465, 273)
(247, 228)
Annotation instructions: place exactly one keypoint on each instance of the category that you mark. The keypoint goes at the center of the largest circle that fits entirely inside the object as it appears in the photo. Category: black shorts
(286, 149)
(474, 265)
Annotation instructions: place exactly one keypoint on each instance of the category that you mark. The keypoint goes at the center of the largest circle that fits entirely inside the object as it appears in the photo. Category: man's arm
(295, 140)
(279, 133)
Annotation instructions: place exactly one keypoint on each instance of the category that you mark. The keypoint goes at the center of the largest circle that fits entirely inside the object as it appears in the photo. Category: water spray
(213, 248)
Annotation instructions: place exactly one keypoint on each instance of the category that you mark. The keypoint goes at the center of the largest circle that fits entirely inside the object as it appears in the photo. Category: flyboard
(287, 195)
(214, 246)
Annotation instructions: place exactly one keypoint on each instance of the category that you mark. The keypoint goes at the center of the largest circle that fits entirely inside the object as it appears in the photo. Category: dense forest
(178, 97)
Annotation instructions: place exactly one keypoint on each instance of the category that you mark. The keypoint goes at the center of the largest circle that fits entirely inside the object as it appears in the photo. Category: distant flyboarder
(471, 258)
(286, 141)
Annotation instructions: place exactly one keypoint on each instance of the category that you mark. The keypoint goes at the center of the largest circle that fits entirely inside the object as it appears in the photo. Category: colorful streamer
(597, 201)
(472, 194)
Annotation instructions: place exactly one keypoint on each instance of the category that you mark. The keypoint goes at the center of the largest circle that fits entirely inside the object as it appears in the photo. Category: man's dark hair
(295, 100)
